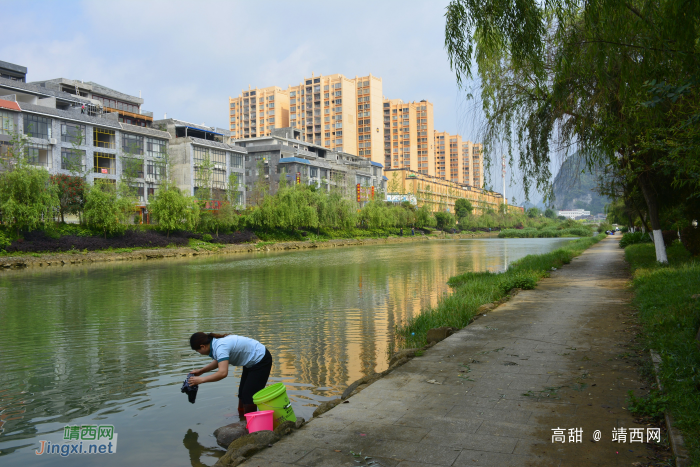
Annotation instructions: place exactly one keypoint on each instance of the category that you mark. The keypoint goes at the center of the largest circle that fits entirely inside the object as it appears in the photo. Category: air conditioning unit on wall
(53, 141)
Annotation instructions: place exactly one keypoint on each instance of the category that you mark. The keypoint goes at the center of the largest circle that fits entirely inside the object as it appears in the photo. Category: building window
(219, 179)
(200, 155)
(155, 147)
(236, 161)
(37, 127)
(72, 159)
(104, 163)
(155, 170)
(132, 167)
(118, 105)
(137, 188)
(218, 157)
(132, 144)
(5, 150)
(102, 138)
(39, 154)
(7, 123)
(74, 134)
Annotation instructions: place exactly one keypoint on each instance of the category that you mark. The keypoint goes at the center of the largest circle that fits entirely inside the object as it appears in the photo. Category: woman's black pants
(254, 378)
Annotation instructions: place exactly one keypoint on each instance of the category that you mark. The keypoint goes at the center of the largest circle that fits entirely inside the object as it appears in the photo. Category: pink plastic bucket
(259, 421)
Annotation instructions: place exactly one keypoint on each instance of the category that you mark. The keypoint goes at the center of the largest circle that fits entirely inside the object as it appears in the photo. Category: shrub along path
(552, 357)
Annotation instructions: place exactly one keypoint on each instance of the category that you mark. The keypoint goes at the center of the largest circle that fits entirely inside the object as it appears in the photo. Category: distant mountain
(576, 190)
(537, 204)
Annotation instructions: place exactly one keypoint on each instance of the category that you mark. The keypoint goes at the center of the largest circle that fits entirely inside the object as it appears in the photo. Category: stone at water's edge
(226, 434)
(326, 406)
(407, 353)
(242, 448)
(438, 334)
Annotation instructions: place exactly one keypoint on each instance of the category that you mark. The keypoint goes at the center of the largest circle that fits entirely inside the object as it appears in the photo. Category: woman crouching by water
(230, 349)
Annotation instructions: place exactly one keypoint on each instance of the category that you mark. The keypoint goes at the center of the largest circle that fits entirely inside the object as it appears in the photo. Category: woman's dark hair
(199, 339)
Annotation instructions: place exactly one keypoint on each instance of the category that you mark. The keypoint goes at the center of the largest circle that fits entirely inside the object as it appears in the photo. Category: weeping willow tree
(615, 80)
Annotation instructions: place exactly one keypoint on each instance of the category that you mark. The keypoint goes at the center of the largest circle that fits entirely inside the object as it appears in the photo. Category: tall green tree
(563, 73)
(173, 210)
(28, 199)
(105, 210)
(463, 208)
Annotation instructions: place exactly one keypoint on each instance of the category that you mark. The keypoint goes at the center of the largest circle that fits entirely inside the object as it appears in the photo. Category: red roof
(9, 105)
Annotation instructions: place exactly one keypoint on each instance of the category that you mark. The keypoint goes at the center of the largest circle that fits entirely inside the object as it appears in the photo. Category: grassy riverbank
(473, 289)
(582, 231)
(670, 319)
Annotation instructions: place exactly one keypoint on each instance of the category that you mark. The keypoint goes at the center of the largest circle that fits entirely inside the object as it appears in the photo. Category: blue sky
(187, 58)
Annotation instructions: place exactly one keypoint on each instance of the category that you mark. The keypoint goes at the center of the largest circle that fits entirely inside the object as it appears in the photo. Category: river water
(108, 344)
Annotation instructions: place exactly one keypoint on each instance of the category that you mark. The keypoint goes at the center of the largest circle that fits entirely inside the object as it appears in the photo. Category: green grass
(202, 245)
(280, 235)
(548, 232)
(473, 289)
(670, 319)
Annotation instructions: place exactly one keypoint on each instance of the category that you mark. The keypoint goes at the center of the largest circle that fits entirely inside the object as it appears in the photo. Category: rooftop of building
(145, 131)
(176, 122)
(100, 89)
(108, 120)
(315, 149)
(218, 145)
(91, 86)
(36, 90)
(14, 67)
(9, 105)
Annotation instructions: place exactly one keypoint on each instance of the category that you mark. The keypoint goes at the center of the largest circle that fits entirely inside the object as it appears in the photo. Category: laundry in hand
(191, 391)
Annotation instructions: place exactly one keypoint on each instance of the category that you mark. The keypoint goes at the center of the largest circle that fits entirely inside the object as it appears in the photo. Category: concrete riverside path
(552, 357)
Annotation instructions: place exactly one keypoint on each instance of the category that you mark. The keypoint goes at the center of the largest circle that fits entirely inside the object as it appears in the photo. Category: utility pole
(503, 161)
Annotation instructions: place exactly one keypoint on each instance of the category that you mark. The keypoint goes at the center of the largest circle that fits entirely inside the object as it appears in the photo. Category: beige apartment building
(339, 113)
(442, 154)
(458, 161)
(439, 194)
(473, 173)
(256, 112)
(351, 115)
(407, 143)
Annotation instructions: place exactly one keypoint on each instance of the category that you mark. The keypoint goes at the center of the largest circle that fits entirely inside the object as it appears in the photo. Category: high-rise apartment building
(408, 131)
(442, 154)
(339, 113)
(350, 115)
(369, 117)
(323, 109)
(474, 175)
(256, 112)
(457, 160)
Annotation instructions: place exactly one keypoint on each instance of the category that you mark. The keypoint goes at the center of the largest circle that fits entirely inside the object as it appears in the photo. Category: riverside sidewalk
(553, 357)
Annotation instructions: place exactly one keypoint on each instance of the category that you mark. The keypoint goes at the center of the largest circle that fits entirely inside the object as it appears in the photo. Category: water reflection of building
(328, 317)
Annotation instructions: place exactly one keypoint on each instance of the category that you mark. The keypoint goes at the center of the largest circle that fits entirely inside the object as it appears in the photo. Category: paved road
(553, 357)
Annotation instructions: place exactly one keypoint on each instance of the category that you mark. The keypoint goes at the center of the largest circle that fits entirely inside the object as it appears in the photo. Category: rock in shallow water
(226, 434)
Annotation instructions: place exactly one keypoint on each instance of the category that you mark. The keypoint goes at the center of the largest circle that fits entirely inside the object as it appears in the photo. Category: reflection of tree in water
(89, 336)
(191, 442)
